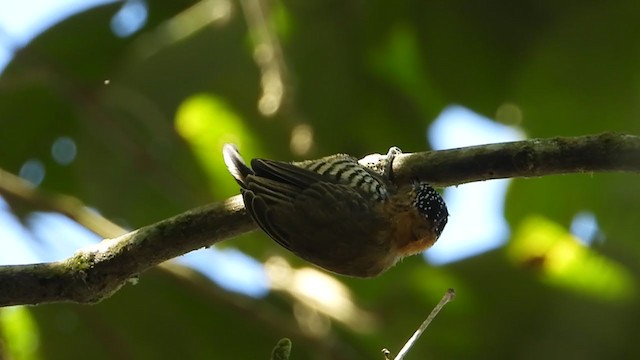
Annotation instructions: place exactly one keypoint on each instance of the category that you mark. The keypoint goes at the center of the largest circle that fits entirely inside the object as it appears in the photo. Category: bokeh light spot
(131, 18)
(64, 150)
(585, 227)
(301, 139)
(33, 171)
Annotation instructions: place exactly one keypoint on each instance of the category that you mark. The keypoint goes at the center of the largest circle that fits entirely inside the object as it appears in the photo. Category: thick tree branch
(97, 272)
(606, 152)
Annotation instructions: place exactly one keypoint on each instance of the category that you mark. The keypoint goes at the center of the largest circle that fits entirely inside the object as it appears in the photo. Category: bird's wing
(284, 211)
(303, 220)
(286, 173)
(275, 187)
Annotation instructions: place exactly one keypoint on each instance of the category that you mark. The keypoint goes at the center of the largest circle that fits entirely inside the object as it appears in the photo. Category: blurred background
(118, 110)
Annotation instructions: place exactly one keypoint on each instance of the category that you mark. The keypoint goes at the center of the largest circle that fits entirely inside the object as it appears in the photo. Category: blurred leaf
(562, 261)
(207, 123)
(20, 332)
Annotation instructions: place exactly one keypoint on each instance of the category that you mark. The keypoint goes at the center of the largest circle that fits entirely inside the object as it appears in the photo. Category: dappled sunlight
(272, 92)
(311, 320)
(207, 123)
(563, 261)
(318, 293)
(20, 333)
(301, 139)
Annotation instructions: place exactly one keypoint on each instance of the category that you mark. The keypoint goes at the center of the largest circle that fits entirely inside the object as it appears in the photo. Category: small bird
(339, 214)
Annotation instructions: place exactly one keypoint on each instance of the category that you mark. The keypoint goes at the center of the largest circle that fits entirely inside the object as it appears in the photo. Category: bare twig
(448, 296)
(96, 272)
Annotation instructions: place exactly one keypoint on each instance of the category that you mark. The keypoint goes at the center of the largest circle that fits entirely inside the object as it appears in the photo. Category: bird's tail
(236, 165)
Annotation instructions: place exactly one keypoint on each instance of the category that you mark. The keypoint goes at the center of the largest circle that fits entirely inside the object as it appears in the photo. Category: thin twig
(448, 296)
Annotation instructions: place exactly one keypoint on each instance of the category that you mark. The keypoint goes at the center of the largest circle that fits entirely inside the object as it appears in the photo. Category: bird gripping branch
(345, 216)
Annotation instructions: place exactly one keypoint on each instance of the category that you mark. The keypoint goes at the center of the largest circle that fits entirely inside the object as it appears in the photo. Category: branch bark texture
(95, 273)
(606, 152)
